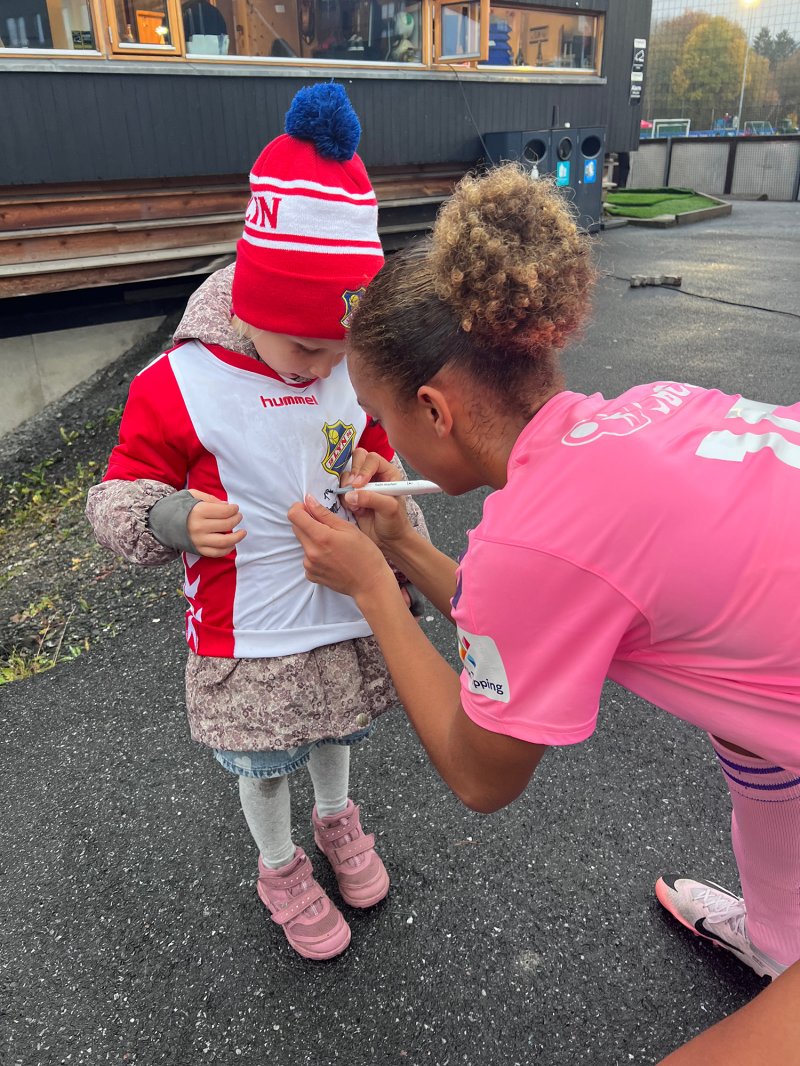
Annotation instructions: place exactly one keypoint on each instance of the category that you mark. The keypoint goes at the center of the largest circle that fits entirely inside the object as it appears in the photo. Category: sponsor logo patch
(481, 660)
(340, 439)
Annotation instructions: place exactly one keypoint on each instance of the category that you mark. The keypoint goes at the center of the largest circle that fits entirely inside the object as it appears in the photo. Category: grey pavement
(130, 929)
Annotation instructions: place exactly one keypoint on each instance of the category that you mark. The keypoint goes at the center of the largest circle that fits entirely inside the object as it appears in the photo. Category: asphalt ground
(130, 931)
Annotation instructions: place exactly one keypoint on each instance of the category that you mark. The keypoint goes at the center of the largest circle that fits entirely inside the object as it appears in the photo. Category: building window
(544, 39)
(64, 25)
(351, 31)
(142, 26)
(459, 31)
(423, 32)
(205, 27)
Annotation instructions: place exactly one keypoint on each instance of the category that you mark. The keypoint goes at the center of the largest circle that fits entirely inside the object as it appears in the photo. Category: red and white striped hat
(310, 243)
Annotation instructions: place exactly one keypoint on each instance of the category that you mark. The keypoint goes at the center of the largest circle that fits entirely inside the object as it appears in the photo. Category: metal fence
(724, 66)
(735, 166)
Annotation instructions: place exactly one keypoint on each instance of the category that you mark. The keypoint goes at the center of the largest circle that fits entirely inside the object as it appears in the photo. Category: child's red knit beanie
(310, 243)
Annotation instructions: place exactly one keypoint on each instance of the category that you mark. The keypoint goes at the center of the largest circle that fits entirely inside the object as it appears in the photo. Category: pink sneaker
(363, 880)
(313, 925)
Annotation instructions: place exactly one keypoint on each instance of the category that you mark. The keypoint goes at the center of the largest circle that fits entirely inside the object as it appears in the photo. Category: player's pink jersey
(653, 539)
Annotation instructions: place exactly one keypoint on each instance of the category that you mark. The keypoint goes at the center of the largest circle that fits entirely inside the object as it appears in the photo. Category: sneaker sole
(664, 898)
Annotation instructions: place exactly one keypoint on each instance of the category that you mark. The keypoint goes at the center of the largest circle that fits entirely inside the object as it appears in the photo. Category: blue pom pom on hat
(324, 115)
(310, 243)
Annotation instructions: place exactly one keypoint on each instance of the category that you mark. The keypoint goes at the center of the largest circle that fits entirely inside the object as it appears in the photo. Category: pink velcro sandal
(362, 877)
(313, 925)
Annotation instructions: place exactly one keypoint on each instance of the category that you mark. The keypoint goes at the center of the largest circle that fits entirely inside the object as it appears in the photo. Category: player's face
(411, 429)
(298, 358)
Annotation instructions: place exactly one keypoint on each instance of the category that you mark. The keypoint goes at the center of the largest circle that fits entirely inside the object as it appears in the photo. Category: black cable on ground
(716, 299)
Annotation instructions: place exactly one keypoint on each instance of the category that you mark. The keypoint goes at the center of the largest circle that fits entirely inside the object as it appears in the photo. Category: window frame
(119, 49)
(109, 45)
(568, 72)
(247, 57)
(435, 22)
(98, 52)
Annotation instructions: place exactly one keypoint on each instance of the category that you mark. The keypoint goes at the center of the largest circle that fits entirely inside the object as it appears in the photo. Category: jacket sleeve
(149, 463)
(155, 436)
(374, 439)
(118, 511)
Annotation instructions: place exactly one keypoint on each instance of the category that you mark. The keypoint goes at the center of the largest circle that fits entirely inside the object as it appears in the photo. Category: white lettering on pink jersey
(666, 396)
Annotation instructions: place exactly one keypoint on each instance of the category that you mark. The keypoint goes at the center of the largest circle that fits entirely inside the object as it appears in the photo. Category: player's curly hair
(496, 290)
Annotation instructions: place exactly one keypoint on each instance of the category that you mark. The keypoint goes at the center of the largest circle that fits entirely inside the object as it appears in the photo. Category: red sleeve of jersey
(156, 433)
(374, 439)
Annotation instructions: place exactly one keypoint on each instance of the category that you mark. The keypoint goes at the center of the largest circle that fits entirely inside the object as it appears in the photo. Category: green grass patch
(39, 498)
(50, 557)
(49, 648)
(650, 203)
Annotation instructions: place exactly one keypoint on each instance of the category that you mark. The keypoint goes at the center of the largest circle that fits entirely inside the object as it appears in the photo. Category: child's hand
(383, 518)
(210, 525)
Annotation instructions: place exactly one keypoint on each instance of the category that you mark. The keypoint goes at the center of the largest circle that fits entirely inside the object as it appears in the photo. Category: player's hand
(369, 466)
(336, 553)
(383, 518)
(210, 525)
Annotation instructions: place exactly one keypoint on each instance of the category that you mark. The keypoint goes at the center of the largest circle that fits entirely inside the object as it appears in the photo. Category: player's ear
(435, 409)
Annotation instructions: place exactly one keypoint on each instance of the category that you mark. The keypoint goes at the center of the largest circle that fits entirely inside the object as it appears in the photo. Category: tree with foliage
(710, 70)
(760, 93)
(787, 80)
(775, 49)
(667, 41)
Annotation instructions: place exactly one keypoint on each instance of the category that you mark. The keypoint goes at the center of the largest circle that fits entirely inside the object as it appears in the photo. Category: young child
(252, 408)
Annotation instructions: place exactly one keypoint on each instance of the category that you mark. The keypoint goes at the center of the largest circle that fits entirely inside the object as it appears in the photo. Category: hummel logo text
(288, 401)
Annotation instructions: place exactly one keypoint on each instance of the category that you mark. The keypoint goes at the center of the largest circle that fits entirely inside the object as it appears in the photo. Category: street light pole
(751, 4)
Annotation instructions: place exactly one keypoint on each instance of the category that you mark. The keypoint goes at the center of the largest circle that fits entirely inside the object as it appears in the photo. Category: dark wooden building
(129, 126)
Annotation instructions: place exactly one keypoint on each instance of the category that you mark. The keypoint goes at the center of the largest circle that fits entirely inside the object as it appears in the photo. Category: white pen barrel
(394, 488)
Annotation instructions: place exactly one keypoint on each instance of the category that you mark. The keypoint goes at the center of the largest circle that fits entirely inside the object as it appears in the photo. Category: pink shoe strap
(298, 905)
(273, 879)
(349, 824)
(355, 847)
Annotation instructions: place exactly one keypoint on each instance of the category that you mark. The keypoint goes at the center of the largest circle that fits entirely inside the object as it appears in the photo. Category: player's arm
(765, 1031)
(405, 543)
(539, 634)
(385, 465)
(427, 568)
(485, 769)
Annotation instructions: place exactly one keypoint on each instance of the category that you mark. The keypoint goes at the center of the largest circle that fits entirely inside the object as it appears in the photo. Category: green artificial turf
(649, 203)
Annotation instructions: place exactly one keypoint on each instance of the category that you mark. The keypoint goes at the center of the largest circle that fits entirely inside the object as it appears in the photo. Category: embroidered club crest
(352, 298)
(340, 440)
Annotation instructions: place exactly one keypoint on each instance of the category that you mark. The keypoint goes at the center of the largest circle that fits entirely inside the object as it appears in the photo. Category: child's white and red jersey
(203, 417)
(653, 539)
